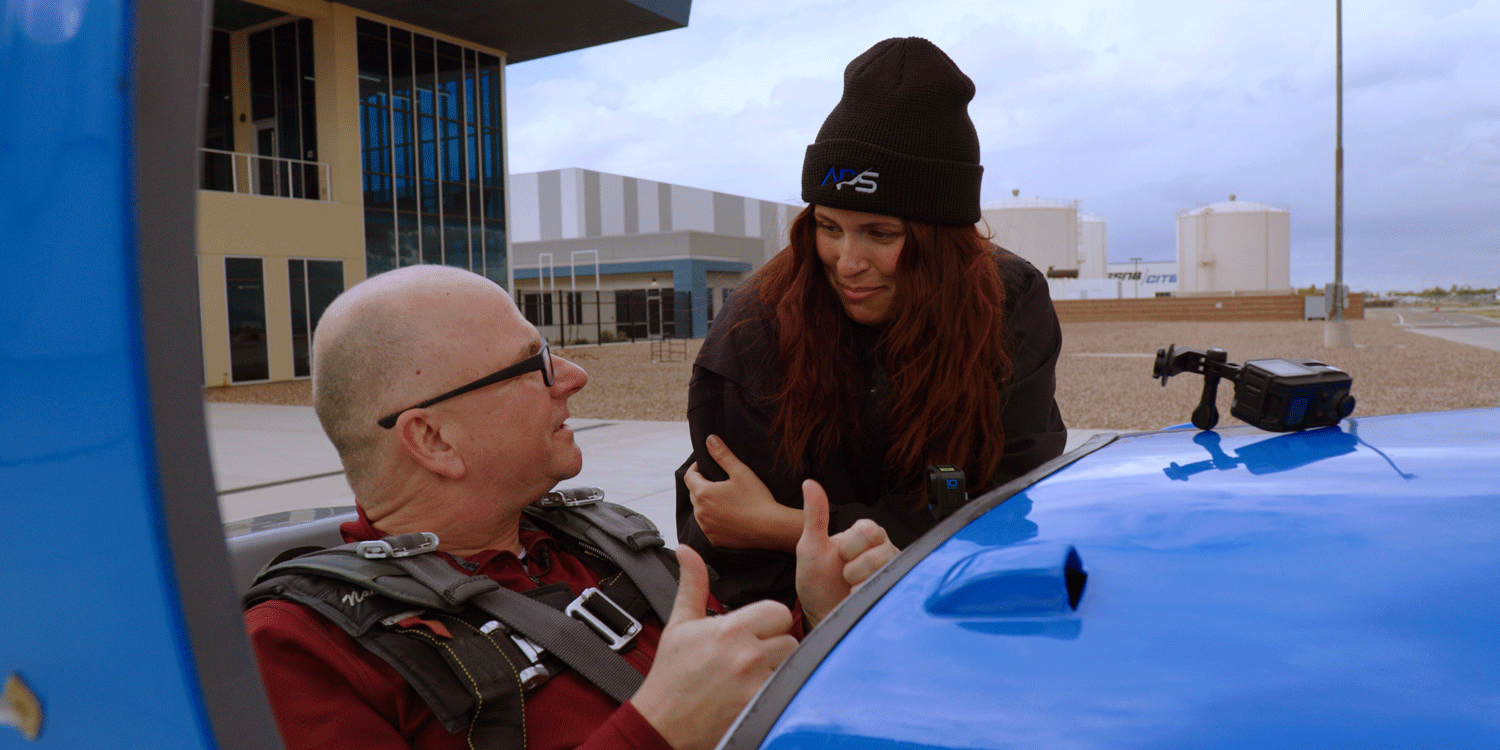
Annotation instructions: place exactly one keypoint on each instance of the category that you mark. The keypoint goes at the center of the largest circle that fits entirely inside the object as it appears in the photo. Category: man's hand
(829, 567)
(739, 512)
(708, 668)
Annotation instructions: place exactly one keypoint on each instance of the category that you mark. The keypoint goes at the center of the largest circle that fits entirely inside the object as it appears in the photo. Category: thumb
(724, 457)
(814, 511)
(692, 587)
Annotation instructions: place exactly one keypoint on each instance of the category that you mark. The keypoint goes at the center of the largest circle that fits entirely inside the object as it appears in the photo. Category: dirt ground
(1104, 374)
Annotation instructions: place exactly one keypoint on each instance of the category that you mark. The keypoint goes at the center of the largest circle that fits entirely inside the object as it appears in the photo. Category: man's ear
(423, 437)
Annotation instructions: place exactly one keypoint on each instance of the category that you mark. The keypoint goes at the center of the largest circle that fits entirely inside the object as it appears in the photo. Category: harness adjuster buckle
(403, 545)
(535, 672)
(571, 497)
(606, 618)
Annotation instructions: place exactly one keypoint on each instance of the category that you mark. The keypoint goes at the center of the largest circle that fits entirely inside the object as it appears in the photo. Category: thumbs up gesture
(707, 668)
(829, 567)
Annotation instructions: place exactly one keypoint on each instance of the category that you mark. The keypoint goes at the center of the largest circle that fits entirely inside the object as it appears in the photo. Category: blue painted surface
(1333, 588)
(92, 621)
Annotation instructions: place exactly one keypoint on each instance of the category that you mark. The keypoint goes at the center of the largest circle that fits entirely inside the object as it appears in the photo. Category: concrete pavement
(1452, 325)
(271, 459)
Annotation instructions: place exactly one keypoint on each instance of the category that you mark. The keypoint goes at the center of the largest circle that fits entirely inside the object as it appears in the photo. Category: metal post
(1336, 334)
(573, 279)
(540, 287)
(1137, 277)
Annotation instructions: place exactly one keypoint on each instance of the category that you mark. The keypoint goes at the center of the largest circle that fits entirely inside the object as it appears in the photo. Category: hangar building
(604, 256)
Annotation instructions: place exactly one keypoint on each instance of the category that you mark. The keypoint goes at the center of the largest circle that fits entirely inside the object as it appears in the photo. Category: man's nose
(567, 377)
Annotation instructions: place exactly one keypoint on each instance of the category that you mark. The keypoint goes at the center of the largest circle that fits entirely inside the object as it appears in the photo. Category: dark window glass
(432, 239)
(262, 75)
(380, 242)
(325, 281)
(283, 107)
(218, 120)
(430, 196)
(456, 243)
(407, 234)
(538, 308)
(431, 149)
(244, 287)
(631, 313)
(406, 194)
(494, 253)
(296, 272)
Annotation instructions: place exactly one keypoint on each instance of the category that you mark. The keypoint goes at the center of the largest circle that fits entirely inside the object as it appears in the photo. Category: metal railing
(253, 174)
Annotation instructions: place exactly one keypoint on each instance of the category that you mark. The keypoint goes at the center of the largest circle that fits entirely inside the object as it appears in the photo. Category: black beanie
(900, 142)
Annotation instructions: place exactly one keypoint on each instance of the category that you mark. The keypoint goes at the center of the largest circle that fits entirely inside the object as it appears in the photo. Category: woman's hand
(739, 512)
(830, 567)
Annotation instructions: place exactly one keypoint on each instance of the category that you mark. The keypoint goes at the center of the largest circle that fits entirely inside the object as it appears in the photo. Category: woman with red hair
(888, 336)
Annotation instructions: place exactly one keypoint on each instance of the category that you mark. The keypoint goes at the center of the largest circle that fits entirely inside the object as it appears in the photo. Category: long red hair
(944, 353)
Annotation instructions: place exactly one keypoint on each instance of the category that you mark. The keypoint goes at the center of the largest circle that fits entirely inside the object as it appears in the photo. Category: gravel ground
(1104, 376)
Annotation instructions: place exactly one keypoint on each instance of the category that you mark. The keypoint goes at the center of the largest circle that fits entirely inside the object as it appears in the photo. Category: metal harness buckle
(606, 618)
(405, 545)
(571, 497)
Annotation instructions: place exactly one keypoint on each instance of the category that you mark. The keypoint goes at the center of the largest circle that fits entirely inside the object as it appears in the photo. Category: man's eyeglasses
(542, 360)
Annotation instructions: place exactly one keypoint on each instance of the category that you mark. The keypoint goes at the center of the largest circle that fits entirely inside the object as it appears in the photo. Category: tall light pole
(1336, 333)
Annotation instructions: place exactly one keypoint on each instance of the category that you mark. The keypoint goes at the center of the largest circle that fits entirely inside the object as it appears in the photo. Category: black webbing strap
(499, 717)
(569, 640)
(649, 573)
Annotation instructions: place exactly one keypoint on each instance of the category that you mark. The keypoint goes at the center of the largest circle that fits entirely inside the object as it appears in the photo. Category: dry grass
(1395, 372)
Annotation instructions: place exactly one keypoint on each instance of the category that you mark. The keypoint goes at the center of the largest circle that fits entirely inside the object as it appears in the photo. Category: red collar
(533, 539)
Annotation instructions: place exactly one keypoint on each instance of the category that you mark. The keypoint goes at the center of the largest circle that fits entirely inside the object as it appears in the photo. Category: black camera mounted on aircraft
(1278, 395)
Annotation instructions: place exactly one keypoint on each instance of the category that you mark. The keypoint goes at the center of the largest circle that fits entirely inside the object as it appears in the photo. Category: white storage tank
(1234, 246)
(1042, 231)
(1093, 254)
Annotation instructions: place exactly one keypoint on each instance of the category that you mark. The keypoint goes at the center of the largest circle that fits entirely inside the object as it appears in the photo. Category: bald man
(450, 416)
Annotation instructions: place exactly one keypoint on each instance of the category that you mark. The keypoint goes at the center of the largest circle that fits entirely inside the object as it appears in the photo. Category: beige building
(346, 139)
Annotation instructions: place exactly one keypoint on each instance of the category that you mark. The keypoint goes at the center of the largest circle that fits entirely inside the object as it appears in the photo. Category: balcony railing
(252, 174)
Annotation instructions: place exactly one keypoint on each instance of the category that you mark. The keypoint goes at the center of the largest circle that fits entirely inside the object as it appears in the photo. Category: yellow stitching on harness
(478, 697)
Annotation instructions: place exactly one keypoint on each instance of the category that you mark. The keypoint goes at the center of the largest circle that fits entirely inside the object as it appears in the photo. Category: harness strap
(627, 539)
(566, 638)
(499, 716)
(650, 576)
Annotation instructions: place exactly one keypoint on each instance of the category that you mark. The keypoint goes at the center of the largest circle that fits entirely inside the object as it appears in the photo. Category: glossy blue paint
(92, 620)
(1331, 588)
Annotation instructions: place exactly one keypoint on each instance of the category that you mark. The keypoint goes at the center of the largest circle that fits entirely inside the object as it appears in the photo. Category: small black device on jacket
(947, 490)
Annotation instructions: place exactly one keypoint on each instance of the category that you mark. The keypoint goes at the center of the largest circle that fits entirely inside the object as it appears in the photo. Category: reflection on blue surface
(1299, 593)
(1280, 453)
(92, 618)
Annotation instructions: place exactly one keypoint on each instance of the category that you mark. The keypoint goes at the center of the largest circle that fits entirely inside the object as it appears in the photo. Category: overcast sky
(1136, 108)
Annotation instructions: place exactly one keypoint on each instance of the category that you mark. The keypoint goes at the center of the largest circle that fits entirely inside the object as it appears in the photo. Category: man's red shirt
(327, 691)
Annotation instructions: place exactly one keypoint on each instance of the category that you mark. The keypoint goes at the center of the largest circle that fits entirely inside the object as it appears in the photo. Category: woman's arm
(740, 512)
(1034, 429)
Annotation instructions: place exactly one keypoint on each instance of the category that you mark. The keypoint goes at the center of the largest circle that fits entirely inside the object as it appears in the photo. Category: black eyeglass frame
(542, 360)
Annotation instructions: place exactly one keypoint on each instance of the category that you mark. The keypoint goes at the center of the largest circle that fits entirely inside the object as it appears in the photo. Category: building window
(537, 308)
(283, 100)
(245, 290)
(574, 308)
(430, 135)
(312, 285)
(651, 313)
(283, 115)
(218, 128)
